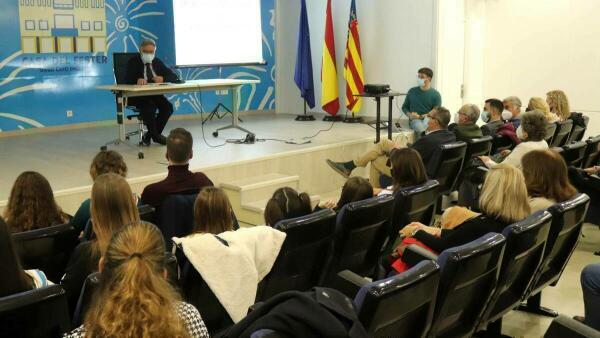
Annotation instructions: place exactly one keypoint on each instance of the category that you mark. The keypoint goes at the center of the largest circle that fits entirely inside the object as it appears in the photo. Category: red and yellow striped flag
(353, 70)
(329, 85)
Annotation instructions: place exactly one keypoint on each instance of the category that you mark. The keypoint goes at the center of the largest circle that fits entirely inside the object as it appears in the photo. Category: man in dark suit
(437, 133)
(145, 69)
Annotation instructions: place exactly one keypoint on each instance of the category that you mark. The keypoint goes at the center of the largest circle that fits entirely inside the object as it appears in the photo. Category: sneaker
(160, 140)
(339, 168)
(146, 139)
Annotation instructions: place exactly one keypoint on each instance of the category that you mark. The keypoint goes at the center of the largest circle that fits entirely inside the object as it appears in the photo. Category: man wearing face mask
(428, 146)
(494, 116)
(513, 105)
(143, 70)
(420, 101)
(466, 127)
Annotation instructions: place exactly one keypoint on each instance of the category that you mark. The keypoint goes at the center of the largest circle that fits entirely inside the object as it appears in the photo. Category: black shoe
(160, 140)
(340, 168)
(146, 139)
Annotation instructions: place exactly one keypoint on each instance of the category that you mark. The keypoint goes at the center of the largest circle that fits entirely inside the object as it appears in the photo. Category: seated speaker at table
(143, 70)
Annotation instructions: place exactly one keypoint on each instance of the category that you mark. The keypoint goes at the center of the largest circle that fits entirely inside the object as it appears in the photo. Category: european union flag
(303, 75)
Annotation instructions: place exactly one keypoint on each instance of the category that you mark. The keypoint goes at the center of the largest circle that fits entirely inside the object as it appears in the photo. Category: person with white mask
(420, 101)
(146, 69)
(532, 132)
(512, 110)
(493, 116)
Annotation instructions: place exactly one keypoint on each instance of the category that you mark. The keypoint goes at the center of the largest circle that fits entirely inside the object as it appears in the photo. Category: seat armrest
(414, 254)
(348, 283)
(563, 326)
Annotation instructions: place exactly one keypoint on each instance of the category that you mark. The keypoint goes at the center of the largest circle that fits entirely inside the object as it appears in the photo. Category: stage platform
(64, 157)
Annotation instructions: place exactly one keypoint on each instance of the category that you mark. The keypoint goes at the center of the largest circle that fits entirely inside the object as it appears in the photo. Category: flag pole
(353, 119)
(305, 117)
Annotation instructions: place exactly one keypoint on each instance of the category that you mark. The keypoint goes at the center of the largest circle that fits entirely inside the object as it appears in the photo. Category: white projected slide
(213, 32)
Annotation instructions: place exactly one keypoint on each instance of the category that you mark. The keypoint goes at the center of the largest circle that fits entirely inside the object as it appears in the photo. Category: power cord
(251, 138)
(202, 118)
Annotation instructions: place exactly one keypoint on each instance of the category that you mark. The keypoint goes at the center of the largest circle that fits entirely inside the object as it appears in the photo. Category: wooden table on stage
(377, 98)
(122, 92)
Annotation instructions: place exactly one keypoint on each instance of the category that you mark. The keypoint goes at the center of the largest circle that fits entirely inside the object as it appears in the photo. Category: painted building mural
(54, 52)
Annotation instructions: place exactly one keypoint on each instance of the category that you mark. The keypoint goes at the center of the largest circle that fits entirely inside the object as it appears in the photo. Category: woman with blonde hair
(134, 298)
(539, 104)
(503, 201)
(113, 206)
(31, 204)
(559, 104)
(106, 161)
(547, 179)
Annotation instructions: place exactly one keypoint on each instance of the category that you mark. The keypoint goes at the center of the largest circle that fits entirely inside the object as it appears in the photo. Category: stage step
(249, 196)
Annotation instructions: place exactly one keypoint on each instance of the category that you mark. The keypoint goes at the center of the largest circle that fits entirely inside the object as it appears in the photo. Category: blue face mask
(485, 116)
(147, 57)
(421, 82)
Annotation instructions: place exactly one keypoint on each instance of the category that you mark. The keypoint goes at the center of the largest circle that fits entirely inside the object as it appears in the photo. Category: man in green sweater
(420, 101)
(466, 127)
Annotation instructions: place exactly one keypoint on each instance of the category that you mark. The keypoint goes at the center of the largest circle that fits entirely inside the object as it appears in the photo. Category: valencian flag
(353, 70)
(303, 76)
(329, 85)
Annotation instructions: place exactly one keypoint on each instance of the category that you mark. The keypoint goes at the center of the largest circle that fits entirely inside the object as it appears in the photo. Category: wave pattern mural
(54, 54)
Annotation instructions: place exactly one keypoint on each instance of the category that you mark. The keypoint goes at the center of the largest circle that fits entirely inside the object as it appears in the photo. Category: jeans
(419, 126)
(590, 283)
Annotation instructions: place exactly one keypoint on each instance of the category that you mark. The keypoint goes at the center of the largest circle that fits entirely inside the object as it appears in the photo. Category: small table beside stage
(122, 92)
(377, 97)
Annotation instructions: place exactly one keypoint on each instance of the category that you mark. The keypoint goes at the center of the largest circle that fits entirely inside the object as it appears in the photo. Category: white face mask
(147, 57)
(421, 82)
(520, 133)
(506, 115)
(485, 116)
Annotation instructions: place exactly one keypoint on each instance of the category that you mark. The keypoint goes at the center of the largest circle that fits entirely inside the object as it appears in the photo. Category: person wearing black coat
(145, 69)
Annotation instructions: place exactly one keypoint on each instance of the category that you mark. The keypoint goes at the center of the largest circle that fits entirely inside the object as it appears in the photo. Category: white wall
(397, 37)
(535, 46)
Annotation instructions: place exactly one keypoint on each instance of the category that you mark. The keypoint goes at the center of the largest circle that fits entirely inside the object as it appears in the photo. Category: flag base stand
(353, 119)
(332, 118)
(305, 117)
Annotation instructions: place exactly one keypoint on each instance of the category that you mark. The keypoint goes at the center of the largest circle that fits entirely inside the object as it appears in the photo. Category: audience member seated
(503, 201)
(14, 278)
(558, 104)
(427, 146)
(492, 116)
(546, 178)
(134, 298)
(512, 107)
(212, 212)
(231, 262)
(466, 127)
(532, 131)
(31, 204)
(355, 189)
(112, 206)
(179, 179)
(286, 203)
(587, 181)
(590, 284)
(537, 103)
(407, 170)
(106, 161)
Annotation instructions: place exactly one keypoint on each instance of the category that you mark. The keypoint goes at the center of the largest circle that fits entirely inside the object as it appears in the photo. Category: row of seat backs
(581, 154)
(565, 132)
(474, 292)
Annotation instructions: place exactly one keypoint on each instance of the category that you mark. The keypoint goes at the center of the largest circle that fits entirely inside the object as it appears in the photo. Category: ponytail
(134, 298)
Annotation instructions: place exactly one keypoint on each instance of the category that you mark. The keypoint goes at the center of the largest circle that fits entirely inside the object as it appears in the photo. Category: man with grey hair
(512, 104)
(466, 126)
(142, 70)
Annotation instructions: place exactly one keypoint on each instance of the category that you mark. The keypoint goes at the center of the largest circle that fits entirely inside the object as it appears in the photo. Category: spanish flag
(353, 70)
(329, 85)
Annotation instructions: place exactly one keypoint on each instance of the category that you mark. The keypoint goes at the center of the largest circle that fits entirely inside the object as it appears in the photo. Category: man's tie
(149, 76)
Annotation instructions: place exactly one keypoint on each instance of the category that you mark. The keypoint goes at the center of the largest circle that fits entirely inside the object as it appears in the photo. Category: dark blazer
(135, 70)
(428, 146)
(84, 260)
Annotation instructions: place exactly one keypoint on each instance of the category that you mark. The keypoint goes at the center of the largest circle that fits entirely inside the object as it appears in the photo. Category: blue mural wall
(53, 53)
